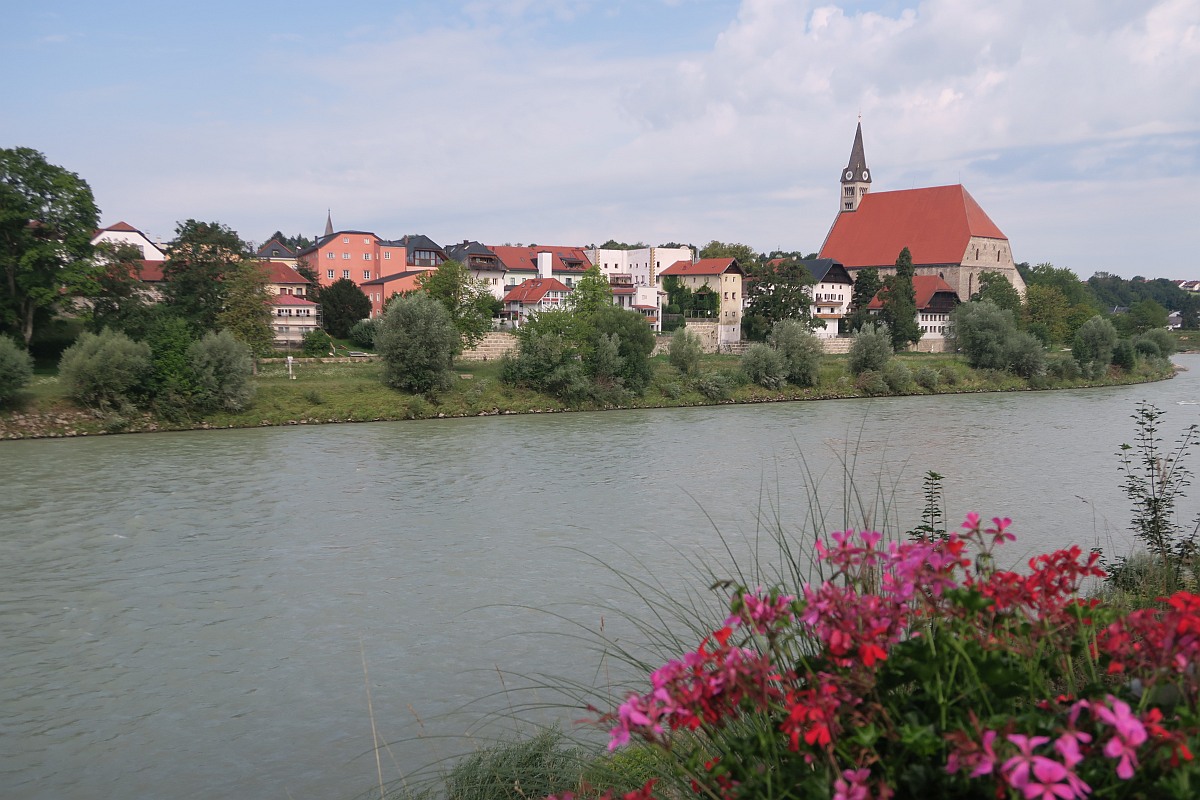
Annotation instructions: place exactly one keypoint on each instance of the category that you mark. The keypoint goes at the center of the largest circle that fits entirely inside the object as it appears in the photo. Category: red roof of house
(525, 258)
(705, 266)
(534, 289)
(291, 300)
(151, 271)
(122, 226)
(279, 272)
(924, 287)
(935, 224)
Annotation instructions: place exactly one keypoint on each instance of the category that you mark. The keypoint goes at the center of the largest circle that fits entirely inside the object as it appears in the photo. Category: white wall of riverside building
(641, 265)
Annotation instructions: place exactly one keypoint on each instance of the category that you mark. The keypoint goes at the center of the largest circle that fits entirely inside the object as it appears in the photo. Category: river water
(200, 615)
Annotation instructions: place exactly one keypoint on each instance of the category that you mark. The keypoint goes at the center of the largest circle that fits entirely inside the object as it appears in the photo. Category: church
(949, 235)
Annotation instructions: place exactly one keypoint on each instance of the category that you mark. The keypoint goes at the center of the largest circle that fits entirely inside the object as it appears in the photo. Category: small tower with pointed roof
(856, 177)
(328, 223)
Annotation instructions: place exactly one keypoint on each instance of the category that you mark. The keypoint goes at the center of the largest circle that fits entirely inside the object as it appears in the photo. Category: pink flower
(1067, 746)
(1052, 781)
(988, 761)
(1130, 734)
(1017, 769)
(852, 785)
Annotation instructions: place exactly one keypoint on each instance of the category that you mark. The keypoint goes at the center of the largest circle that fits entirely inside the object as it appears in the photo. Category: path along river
(187, 615)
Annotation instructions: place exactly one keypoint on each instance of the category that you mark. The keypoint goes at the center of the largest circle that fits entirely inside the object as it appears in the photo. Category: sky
(1075, 124)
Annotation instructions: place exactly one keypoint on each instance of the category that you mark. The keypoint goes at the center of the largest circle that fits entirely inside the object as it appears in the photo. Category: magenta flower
(1050, 780)
(1130, 734)
(852, 785)
(1017, 770)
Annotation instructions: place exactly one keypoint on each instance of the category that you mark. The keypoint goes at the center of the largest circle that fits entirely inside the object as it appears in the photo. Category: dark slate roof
(823, 269)
(463, 252)
(278, 245)
(858, 158)
(416, 241)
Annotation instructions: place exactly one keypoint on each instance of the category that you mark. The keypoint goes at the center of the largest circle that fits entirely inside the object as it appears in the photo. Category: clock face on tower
(849, 175)
(866, 175)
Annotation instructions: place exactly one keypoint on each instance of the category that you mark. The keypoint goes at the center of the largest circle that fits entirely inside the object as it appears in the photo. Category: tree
(342, 305)
(1145, 315)
(117, 294)
(247, 311)
(106, 371)
(743, 253)
(996, 288)
(295, 243)
(979, 331)
(1093, 346)
(684, 351)
(899, 299)
(866, 285)
(634, 341)
(613, 244)
(417, 341)
(1046, 313)
(591, 293)
(199, 258)
(775, 293)
(467, 299)
(222, 366)
(47, 217)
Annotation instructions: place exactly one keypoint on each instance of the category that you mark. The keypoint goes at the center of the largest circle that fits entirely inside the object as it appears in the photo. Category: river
(199, 615)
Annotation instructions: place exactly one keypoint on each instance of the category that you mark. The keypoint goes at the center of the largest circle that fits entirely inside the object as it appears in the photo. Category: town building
(722, 276)
(831, 291)
(293, 316)
(362, 256)
(380, 290)
(283, 279)
(640, 266)
(566, 264)
(124, 233)
(275, 250)
(947, 232)
(483, 264)
(935, 301)
(534, 295)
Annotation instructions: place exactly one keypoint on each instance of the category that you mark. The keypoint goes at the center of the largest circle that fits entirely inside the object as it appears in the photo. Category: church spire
(328, 223)
(856, 177)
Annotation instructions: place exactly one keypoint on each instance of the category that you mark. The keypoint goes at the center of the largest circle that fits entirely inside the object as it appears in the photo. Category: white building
(124, 233)
(640, 266)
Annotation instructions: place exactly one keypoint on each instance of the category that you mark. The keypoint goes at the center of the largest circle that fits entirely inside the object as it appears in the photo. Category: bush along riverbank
(320, 392)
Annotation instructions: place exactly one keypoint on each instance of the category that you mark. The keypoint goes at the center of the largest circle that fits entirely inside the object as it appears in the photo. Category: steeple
(856, 177)
(328, 223)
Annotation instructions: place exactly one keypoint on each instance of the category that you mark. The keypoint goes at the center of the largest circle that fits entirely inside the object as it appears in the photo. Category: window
(366, 240)
(329, 254)
(849, 206)
(345, 240)
(346, 274)
(387, 256)
(366, 274)
(329, 273)
(345, 256)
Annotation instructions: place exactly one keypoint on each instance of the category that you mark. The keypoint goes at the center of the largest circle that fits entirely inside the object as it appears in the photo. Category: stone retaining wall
(491, 347)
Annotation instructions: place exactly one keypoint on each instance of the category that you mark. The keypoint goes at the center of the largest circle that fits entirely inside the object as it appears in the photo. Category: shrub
(16, 368)
(672, 390)
(713, 386)
(684, 351)
(801, 351)
(548, 359)
(1124, 356)
(317, 343)
(362, 333)
(223, 368)
(1024, 354)
(897, 376)
(172, 379)
(871, 382)
(634, 342)
(980, 331)
(871, 350)
(949, 375)
(1093, 346)
(418, 341)
(1064, 367)
(1146, 348)
(1161, 338)
(108, 370)
(927, 378)
(764, 366)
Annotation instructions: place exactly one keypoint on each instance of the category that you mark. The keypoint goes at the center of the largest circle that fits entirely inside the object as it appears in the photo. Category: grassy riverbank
(326, 392)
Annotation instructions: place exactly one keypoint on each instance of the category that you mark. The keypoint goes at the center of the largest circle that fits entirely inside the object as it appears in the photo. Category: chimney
(545, 264)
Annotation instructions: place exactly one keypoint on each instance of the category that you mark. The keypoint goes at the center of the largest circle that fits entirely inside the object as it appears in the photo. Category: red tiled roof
(524, 259)
(279, 272)
(122, 226)
(647, 308)
(925, 287)
(534, 289)
(290, 300)
(151, 271)
(705, 266)
(935, 224)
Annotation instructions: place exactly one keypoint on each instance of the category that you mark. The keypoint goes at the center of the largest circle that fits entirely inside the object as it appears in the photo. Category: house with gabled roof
(722, 276)
(935, 301)
(380, 290)
(483, 264)
(362, 256)
(124, 233)
(275, 250)
(292, 317)
(830, 291)
(566, 264)
(534, 295)
(282, 278)
(947, 232)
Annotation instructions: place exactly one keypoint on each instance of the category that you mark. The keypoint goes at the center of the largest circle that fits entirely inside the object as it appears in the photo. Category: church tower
(856, 177)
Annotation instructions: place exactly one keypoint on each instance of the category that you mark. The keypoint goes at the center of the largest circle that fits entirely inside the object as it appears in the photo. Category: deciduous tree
(47, 218)
(997, 289)
(745, 255)
(467, 299)
(418, 342)
(342, 305)
(591, 293)
(247, 310)
(775, 293)
(199, 259)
